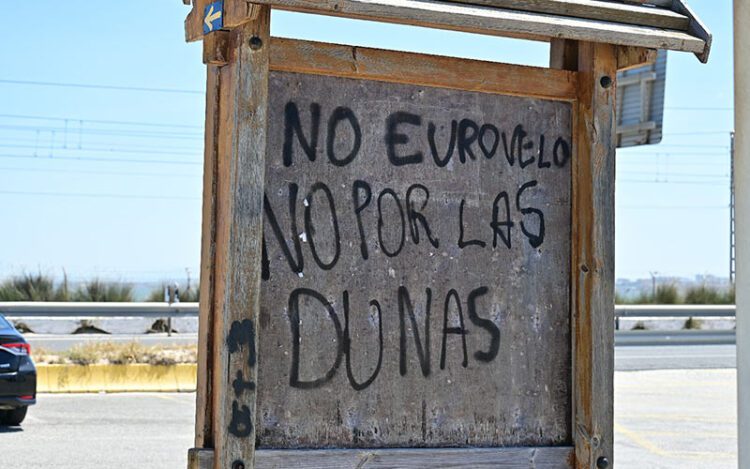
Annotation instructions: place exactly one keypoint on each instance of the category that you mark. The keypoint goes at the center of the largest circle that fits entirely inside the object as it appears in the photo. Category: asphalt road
(675, 357)
(55, 342)
(665, 419)
(627, 358)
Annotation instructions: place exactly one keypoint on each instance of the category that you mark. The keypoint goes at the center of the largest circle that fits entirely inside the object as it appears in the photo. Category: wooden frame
(318, 58)
(595, 10)
(675, 28)
(236, 102)
(511, 458)
(592, 287)
(590, 41)
(234, 143)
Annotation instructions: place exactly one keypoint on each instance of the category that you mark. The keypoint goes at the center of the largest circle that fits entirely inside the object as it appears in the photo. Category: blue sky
(103, 181)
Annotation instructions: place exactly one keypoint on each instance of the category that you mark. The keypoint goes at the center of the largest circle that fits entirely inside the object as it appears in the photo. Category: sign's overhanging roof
(654, 24)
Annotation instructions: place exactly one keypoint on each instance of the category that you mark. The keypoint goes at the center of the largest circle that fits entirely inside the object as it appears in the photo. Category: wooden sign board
(416, 284)
(404, 254)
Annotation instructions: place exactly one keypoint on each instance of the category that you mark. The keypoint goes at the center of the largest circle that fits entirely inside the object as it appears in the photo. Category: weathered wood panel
(238, 233)
(594, 10)
(516, 458)
(696, 28)
(318, 58)
(593, 255)
(494, 21)
(560, 457)
(203, 418)
(632, 57)
(439, 219)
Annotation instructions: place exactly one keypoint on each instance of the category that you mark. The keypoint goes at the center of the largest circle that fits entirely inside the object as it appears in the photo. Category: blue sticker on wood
(212, 17)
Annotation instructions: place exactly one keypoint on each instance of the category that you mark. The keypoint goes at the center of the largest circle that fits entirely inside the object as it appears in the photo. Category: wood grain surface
(460, 254)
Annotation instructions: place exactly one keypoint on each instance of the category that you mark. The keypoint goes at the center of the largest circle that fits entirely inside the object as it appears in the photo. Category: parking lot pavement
(102, 431)
(676, 419)
(663, 419)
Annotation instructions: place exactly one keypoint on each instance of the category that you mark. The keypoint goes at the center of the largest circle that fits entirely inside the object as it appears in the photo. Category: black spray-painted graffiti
(487, 343)
(397, 218)
(241, 338)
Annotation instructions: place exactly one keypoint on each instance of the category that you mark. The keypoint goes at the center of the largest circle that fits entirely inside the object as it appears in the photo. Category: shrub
(643, 299)
(702, 295)
(728, 297)
(30, 287)
(666, 295)
(705, 295)
(619, 299)
(190, 295)
(96, 290)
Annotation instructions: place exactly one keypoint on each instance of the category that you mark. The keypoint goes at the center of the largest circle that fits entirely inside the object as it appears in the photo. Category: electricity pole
(742, 181)
(653, 285)
(732, 246)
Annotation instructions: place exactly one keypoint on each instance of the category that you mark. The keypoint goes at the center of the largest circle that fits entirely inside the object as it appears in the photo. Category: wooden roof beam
(496, 21)
(594, 10)
(695, 28)
(467, 16)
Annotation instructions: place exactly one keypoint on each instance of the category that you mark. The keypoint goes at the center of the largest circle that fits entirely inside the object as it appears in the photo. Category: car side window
(4, 322)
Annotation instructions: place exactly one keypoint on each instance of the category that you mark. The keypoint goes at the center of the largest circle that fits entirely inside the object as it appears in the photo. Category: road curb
(116, 378)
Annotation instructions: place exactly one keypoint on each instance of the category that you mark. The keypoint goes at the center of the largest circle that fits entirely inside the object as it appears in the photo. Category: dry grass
(119, 354)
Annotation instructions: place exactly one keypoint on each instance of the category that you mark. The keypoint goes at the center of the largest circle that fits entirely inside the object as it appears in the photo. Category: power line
(101, 87)
(687, 145)
(111, 132)
(668, 174)
(697, 108)
(103, 149)
(692, 183)
(95, 159)
(100, 121)
(674, 207)
(699, 132)
(42, 144)
(106, 173)
(677, 153)
(99, 195)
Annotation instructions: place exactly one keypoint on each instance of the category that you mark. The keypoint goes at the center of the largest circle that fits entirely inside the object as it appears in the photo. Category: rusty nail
(256, 43)
(602, 463)
(238, 465)
(606, 81)
(585, 268)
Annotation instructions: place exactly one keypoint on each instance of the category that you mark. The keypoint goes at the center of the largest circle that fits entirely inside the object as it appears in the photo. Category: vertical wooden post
(593, 213)
(208, 254)
(594, 255)
(563, 54)
(237, 237)
(215, 49)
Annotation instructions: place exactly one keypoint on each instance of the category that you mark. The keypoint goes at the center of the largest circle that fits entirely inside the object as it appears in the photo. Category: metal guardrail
(683, 337)
(674, 311)
(15, 310)
(159, 310)
(97, 310)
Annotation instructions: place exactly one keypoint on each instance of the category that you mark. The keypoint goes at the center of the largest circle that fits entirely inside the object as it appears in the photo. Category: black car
(17, 375)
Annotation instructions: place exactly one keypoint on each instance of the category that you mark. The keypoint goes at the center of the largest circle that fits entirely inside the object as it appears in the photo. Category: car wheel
(13, 417)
